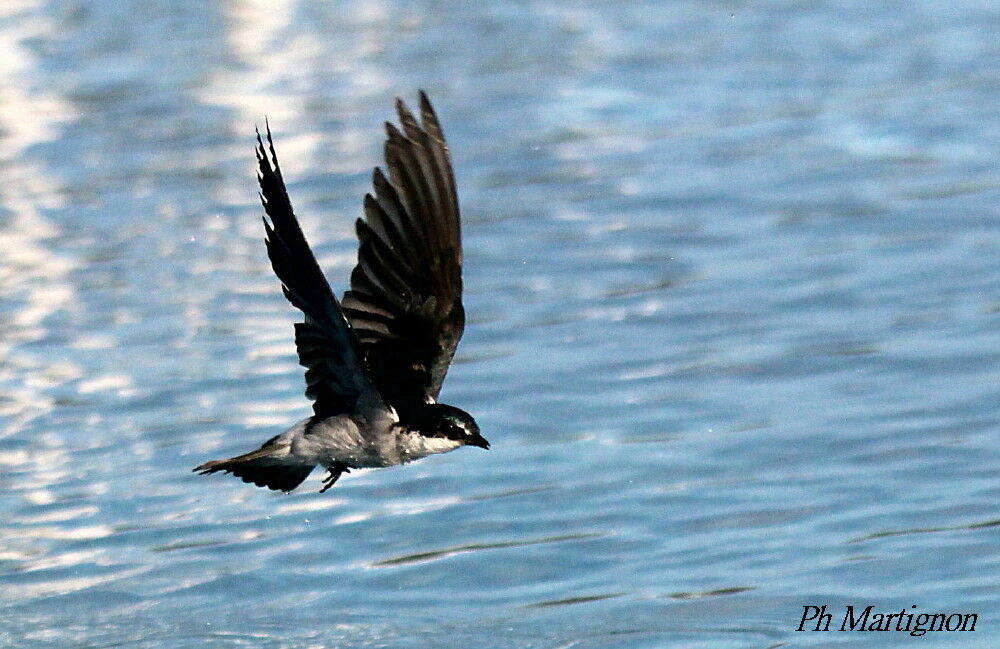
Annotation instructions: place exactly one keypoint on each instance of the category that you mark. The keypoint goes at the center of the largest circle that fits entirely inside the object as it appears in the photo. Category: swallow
(374, 360)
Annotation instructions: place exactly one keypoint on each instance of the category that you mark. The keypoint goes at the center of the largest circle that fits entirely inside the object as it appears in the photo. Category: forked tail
(262, 468)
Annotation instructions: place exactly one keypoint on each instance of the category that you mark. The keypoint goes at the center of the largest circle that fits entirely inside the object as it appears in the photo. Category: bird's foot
(335, 472)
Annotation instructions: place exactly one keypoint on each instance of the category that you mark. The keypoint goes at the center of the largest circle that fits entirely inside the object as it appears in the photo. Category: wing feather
(405, 301)
(336, 377)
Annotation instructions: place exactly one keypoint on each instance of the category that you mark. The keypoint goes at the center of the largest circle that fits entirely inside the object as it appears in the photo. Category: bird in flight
(376, 359)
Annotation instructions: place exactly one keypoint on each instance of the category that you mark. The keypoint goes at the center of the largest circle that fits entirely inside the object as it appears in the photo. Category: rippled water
(733, 285)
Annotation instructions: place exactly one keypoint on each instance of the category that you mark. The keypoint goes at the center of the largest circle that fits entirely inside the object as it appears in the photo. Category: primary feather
(335, 374)
(405, 301)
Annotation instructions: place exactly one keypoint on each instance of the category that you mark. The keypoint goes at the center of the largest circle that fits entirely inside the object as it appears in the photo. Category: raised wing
(405, 302)
(327, 348)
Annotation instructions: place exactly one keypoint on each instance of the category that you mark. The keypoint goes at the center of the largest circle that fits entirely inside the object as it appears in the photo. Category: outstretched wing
(405, 302)
(327, 348)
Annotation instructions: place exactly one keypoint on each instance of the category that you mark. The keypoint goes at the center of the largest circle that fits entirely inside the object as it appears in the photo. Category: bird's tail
(264, 467)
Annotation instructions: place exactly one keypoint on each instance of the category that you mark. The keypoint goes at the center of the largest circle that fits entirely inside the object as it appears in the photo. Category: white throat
(414, 446)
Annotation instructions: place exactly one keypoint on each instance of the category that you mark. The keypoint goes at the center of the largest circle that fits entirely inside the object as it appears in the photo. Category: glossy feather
(405, 301)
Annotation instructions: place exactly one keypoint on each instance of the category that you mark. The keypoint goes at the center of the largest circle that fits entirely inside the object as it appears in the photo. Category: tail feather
(261, 468)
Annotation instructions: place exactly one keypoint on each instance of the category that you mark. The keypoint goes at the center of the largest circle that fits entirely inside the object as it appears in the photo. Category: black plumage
(405, 301)
(335, 374)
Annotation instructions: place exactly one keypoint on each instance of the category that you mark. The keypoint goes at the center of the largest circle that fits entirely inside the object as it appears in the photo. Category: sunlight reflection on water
(732, 298)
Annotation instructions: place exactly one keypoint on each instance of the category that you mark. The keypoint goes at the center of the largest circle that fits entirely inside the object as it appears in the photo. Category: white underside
(340, 439)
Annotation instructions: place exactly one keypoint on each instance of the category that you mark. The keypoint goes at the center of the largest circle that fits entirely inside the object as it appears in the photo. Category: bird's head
(449, 422)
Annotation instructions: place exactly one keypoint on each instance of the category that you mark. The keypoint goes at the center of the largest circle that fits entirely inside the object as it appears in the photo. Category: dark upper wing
(328, 349)
(405, 302)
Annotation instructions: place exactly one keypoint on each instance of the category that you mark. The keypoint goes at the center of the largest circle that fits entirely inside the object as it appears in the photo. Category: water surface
(732, 286)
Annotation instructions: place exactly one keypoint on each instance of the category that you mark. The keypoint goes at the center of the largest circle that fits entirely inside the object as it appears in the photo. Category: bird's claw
(332, 478)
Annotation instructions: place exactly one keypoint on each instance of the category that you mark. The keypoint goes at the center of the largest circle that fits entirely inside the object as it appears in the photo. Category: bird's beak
(478, 440)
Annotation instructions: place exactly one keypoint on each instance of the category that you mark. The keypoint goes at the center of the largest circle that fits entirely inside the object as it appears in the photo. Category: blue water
(733, 288)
